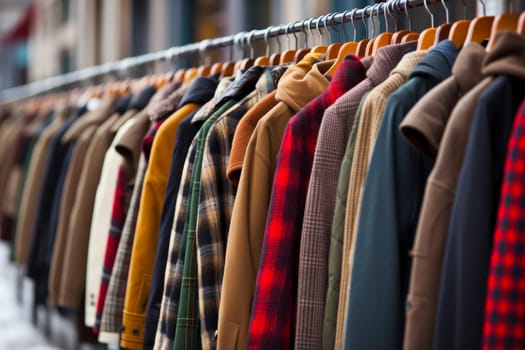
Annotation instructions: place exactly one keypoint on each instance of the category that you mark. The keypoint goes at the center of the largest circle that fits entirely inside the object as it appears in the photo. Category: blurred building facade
(66, 35)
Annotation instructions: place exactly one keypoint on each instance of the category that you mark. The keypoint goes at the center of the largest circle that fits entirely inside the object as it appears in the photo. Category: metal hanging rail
(118, 68)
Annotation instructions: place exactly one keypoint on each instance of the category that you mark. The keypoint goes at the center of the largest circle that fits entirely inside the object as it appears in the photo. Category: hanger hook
(352, 13)
(325, 19)
(484, 8)
(317, 27)
(343, 25)
(408, 17)
(334, 24)
(245, 44)
(309, 28)
(287, 35)
(446, 11)
(303, 29)
(295, 35)
(266, 32)
(430, 13)
(464, 9)
(372, 21)
(392, 13)
(385, 14)
(278, 40)
(364, 18)
(307, 31)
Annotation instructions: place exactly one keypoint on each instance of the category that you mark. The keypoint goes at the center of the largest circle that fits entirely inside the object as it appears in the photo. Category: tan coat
(29, 202)
(81, 134)
(295, 89)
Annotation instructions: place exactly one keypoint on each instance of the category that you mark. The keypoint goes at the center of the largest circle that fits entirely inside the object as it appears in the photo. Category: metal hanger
(276, 57)
(459, 30)
(333, 49)
(443, 30)
(361, 45)
(480, 28)
(505, 21)
(264, 60)
(319, 48)
(299, 54)
(427, 37)
(370, 44)
(289, 54)
(397, 37)
(385, 38)
(348, 48)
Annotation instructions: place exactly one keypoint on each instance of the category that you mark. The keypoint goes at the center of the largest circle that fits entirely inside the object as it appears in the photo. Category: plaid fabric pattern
(504, 322)
(174, 267)
(318, 214)
(273, 315)
(114, 303)
(187, 330)
(217, 196)
(118, 215)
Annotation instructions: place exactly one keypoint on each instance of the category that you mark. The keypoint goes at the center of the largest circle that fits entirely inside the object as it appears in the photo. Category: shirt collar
(386, 59)
(438, 62)
(200, 91)
(122, 104)
(140, 101)
(243, 85)
(205, 111)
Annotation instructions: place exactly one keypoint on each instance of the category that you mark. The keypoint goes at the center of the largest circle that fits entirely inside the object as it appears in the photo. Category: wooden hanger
(191, 73)
(521, 24)
(204, 70)
(370, 44)
(333, 48)
(288, 55)
(505, 21)
(458, 32)
(216, 68)
(319, 48)
(427, 37)
(443, 30)
(362, 44)
(275, 59)
(480, 28)
(384, 38)
(348, 48)
(227, 69)
(265, 59)
(179, 75)
(300, 53)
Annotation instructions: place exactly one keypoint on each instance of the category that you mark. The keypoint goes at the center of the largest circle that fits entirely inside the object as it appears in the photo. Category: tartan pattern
(274, 310)
(318, 214)
(504, 321)
(187, 329)
(114, 303)
(174, 267)
(217, 196)
(118, 215)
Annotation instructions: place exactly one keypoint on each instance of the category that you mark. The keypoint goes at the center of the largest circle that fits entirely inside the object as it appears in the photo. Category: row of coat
(378, 208)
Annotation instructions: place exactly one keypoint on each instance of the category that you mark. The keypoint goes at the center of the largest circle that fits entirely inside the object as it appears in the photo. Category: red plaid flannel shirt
(274, 308)
(504, 323)
(118, 216)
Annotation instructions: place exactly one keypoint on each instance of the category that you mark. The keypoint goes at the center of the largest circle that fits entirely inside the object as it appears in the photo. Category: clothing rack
(121, 69)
